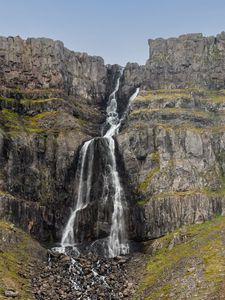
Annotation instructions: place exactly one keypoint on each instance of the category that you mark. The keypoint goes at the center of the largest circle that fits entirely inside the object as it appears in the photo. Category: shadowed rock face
(170, 150)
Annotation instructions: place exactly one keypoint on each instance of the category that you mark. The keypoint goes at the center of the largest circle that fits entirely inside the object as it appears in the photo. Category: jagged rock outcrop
(191, 60)
(41, 63)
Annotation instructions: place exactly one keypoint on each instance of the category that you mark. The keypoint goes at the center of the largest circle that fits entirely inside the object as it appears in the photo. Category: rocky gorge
(170, 149)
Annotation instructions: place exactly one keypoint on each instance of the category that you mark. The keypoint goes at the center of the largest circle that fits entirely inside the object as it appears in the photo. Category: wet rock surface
(83, 277)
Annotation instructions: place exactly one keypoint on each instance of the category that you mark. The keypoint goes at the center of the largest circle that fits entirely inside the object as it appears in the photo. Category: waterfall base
(98, 247)
(84, 277)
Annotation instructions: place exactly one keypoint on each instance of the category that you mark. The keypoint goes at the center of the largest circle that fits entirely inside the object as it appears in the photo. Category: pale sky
(117, 30)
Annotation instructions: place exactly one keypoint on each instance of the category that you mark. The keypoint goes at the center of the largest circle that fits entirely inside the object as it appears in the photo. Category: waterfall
(117, 242)
(69, 237)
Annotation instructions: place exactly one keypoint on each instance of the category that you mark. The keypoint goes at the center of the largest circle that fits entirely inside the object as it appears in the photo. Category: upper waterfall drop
(112, 120)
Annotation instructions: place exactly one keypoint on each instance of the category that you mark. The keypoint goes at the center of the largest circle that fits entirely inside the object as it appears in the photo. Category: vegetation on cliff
(19, 258)
(186, 264)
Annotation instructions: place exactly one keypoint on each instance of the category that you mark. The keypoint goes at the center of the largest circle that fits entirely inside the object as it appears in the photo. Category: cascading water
(69, 237)
(117, 240)
(117, 243)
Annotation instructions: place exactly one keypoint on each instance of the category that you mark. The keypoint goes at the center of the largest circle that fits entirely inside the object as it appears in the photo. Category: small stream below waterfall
(116, 243)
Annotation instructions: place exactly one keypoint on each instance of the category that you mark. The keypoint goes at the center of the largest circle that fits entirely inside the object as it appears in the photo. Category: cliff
(170, 149)
(46, 114)
(51, 101)
(173, 152)
(172, 141)
(190, 60)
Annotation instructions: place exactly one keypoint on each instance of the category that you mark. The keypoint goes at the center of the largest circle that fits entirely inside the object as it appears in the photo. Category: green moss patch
(155, 156)
(47, 121)
(214, 96)
(11, 121)
(220, 192)
(143, 186)
(36, 101)
(15, 123)
(6, 99)
(173, 111)
(165, 94)
(181, 127)
(25, 101)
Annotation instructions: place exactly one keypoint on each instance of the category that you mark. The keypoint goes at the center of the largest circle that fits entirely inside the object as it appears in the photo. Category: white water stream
(84, 187)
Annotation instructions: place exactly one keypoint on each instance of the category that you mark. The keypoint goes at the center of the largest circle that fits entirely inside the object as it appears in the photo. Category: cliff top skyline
(116, 30)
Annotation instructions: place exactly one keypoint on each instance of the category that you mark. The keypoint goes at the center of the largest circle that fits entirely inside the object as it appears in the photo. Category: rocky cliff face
(46, 64)
(172, 146)
(170, 149)
(190, 60)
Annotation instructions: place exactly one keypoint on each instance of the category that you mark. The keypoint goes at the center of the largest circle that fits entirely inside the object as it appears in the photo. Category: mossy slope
(186, 264)
(19, 258)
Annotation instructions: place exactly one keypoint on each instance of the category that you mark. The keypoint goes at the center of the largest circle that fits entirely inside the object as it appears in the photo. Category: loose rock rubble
(86, 277)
